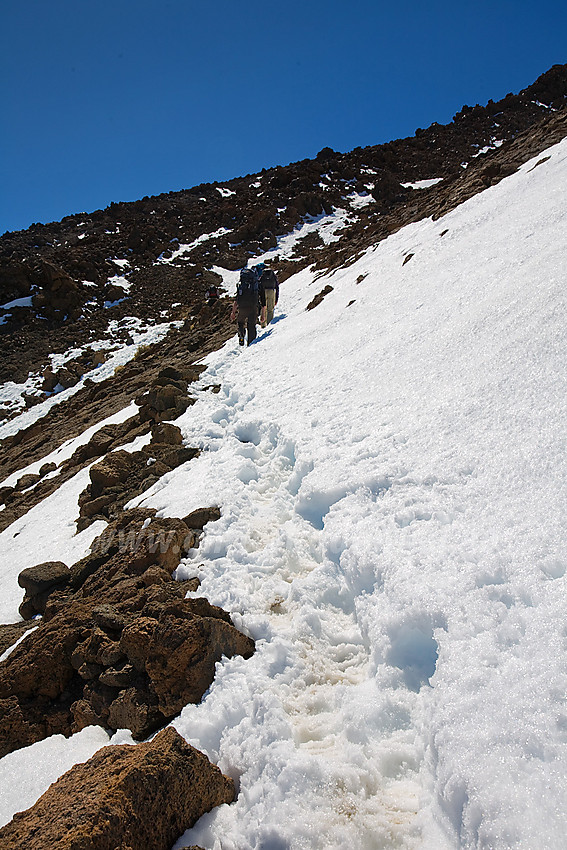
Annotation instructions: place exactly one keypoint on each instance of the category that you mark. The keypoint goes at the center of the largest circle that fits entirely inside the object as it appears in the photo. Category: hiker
(212, 294)
(271, 287)
(250, 299)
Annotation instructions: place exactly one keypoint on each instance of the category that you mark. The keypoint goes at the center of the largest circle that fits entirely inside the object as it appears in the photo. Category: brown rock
(182, 655)
(200, 517)
(43, 576)
(155, 575)
(97, 506)
(165, 432)
(39, 583)
(123, 797)
(67, 378)
(12, 632)
(26, 481)
(319, 297)
(107, 617)
(135, 709)
(47, 468)
(112, 471)
(100, 442)
(135, 641)
(118, 677)
(5, 494)
(122, 624)
(50, 380)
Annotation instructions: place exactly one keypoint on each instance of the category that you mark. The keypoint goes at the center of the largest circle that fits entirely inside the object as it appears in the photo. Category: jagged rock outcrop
(123, 797)
(122, 475)
(119, 644)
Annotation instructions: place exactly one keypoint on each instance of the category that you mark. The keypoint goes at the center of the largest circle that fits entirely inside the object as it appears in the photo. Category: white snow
(423, 184)
(358, 200)
(187, 248)
(492, 146)
(121, 281)
(47, 532)
(18, 302)
(65, 451)
(391, 478)
(329, 227)
(224, 192)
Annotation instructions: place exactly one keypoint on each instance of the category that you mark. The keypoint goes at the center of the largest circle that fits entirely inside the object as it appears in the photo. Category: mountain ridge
(170, 244)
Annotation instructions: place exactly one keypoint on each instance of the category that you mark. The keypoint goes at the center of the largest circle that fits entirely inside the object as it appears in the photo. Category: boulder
(46, 468)
(29, 480)
(43, 576)
(112, 471)
(181, 657)
(128, 797)
(5, 494)
(67, 377)
(119, 645)
(59, 296)
(39, 583)
(200, 517)
(165, 432)
(50, 380)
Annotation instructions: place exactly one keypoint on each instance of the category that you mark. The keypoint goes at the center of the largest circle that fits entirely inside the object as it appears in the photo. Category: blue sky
(110, 101)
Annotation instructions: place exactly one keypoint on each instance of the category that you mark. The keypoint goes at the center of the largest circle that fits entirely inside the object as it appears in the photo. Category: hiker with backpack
(250, 299)
(271, 287)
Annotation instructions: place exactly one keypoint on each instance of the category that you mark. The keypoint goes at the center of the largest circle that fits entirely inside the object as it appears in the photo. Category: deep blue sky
(111, 100)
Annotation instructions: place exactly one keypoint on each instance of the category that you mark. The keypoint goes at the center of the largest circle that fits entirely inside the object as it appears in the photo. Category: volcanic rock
(120, 645)
(123, 797)
(200, 517)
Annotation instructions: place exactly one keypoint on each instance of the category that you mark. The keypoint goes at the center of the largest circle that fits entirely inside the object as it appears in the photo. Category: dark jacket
(245, 302)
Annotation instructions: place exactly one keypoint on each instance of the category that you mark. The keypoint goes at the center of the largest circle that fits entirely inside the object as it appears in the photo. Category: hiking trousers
(247, 319)
(270, 304)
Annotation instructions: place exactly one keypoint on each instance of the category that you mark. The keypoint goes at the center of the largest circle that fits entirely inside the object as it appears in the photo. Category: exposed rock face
(121, 475)
(123, 797)
(119, 645)
(11, 632)
(59, 296)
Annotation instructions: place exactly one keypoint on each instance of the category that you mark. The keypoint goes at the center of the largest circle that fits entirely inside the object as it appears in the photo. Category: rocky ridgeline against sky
(78, 275)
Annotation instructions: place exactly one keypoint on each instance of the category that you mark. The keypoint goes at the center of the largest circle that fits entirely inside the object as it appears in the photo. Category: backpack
(269, 279)
(248, 285)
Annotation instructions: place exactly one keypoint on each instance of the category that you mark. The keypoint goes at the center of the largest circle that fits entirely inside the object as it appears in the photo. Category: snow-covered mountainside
(72, 291)
(390, 471)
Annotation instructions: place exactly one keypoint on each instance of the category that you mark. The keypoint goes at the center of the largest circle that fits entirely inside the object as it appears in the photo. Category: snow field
(390, 474)
(407, 569)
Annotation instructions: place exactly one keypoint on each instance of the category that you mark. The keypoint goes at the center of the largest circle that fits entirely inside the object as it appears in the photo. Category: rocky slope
(71, 274)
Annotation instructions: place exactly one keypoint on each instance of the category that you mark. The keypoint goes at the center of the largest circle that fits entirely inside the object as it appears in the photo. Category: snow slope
(390, 468)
